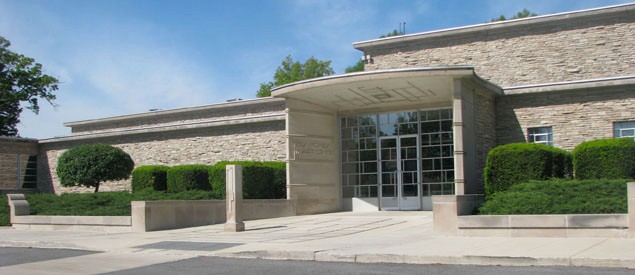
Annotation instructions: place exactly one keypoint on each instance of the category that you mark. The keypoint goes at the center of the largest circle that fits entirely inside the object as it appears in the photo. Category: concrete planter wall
(452, 217)
(148, 215)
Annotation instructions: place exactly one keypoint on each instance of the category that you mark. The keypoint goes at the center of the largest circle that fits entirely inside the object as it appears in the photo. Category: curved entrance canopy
(388, 89)
(385, 140)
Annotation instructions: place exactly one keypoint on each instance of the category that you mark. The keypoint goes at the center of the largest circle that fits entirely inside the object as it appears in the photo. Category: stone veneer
(485, 134)
(229, 131)
(529, 51)
(576, 116)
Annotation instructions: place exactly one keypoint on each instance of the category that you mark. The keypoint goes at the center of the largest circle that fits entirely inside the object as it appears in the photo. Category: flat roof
(570, 85)
(491, 26)
(215, 106)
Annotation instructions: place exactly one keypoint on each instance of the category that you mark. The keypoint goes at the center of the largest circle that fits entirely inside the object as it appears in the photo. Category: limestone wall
(575, 116)
(532, 51)
(255, 141)
(485, 134)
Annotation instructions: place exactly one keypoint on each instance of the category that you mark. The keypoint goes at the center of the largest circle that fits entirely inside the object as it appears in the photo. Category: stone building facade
(418, 122)
(241, 130)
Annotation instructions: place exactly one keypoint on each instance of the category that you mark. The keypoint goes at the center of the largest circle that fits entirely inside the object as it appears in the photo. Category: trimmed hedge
(187, 177)
(605, 158)
(559, 196)
(150, 176)
(261, 180)
(5, 220)
(514, 163)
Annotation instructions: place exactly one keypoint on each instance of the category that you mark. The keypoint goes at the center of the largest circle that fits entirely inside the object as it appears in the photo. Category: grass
(559, 196)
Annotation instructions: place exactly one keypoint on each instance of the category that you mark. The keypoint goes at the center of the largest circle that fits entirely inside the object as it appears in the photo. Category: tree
(89, 165)
(521, 14)
(21, 80)
(358, 67)
(393, 33)
(292, 71)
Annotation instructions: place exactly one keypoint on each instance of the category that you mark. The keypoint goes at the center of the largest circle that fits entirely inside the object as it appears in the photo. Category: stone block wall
(566, 48)
(485, 133)
(576, 116)
(258, 141)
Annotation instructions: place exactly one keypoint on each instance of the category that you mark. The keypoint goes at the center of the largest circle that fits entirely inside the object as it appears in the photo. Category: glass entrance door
(399, 181)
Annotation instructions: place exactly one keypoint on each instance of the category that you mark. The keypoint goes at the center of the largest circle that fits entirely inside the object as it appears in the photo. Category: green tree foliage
(21, 80)
(392, 33)
(521, 14)
(89, 165)
(612, 158)
(291, 71)
(358, 67)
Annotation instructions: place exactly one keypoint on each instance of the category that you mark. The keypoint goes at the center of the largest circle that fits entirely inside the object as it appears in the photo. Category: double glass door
(399, 162)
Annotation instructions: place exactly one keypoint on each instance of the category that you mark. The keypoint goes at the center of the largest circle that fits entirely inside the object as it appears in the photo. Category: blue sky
(117, 57)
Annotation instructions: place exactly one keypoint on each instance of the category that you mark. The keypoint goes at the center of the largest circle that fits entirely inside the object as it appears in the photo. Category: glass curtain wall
(360, 151)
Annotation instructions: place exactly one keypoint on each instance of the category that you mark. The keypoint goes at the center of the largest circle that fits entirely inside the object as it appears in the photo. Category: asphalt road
(15, 255)
(215, 265)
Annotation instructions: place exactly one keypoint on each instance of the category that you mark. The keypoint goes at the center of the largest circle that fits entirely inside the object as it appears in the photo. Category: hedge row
(514, 163)
(559, 196)
(261, 180)
(605, 159)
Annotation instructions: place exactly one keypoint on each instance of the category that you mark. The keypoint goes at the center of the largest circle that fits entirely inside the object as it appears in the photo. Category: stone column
(631, 208)
(457, 129)
(234, 198)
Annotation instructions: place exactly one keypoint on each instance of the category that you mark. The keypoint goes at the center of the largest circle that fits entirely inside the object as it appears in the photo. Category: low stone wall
(562, 226)
(452, 217)
(162, 215)
(148, 215)
(109, 224)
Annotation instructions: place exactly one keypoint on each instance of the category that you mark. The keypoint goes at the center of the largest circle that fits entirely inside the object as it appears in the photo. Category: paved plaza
(372, 237)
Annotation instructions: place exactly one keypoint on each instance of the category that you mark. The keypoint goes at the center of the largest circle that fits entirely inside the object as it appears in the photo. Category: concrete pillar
(631, 208)
(457, 129)
(234, 198)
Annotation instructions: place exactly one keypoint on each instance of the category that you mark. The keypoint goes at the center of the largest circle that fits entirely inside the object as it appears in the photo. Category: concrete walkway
(374, 237)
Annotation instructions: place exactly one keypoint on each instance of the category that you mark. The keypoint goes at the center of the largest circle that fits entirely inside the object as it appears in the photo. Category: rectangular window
(624, 129)
(542, 135)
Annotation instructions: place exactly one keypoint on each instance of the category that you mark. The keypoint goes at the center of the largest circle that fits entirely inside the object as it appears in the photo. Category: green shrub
(510, 164)
(89, 165)
(4, 211)
(150, 176)
(605, 159)
(104, 203)
(261, 180)
(559, 196)
(187, 177)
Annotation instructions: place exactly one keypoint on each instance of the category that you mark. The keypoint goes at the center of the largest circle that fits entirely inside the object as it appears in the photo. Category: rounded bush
(150, 176)
(89, 165)
(261, 180)
(514, 163)
(605, 159)
(187, 177)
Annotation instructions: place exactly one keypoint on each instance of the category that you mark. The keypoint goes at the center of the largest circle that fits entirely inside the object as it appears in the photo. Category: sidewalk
(375, 237)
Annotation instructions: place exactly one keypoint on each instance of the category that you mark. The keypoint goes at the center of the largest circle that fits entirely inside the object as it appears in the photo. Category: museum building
(419, 121)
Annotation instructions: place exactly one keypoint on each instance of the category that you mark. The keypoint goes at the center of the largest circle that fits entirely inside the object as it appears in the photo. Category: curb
(326, 256)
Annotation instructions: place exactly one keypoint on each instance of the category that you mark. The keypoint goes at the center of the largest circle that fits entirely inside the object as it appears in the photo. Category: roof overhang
(385, 90)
